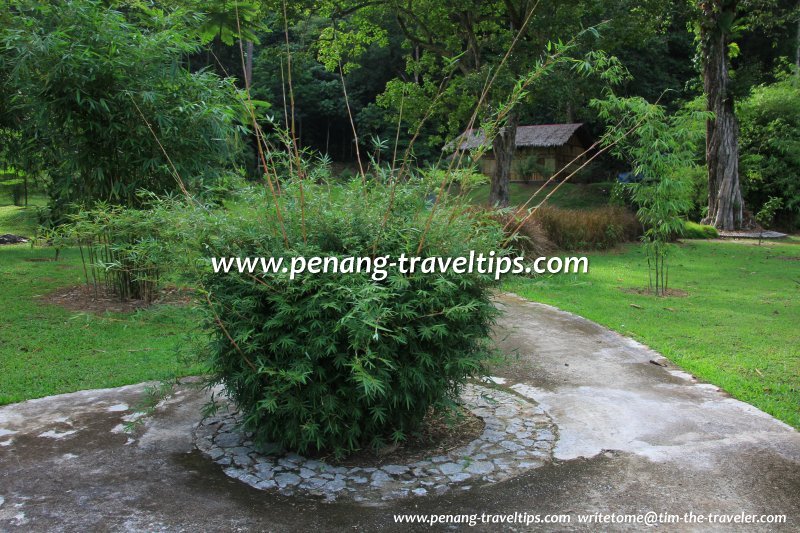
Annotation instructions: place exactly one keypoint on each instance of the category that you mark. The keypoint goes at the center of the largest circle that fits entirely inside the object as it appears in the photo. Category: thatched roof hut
(541, 149)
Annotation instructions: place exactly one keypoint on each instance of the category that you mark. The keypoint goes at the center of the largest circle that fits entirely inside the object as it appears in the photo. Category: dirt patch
(437, 436)
(787, 257)
(84, 298)
(672, 293)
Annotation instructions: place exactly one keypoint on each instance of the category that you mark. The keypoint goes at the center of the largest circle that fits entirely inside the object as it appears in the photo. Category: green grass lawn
(568, 196)
(737, 326)
(21, 220)
(46, 349)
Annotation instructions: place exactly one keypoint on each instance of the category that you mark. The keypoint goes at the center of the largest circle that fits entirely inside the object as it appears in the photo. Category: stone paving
(768, 234)
(517, 436)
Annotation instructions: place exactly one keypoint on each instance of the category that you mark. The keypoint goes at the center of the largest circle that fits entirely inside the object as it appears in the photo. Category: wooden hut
(541, 150)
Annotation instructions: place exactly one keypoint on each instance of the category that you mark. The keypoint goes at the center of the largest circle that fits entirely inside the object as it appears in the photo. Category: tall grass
(530, 239)
(593, 229)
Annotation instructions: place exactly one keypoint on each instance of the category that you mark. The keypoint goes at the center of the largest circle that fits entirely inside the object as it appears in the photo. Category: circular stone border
(517, 436)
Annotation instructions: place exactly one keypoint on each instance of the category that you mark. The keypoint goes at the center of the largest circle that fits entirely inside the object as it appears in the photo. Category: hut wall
(550, 159)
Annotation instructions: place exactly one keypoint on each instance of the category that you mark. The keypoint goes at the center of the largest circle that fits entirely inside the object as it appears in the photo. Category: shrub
(770, 147)
(123, 250)
(331, 362)
(693, 230)
(599, 228)
(528, 167)
(698, 184)
(13, 188)
(766, 214)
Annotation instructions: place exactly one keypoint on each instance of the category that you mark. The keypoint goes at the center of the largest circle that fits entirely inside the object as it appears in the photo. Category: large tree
(757, 33)
(471, 37)
(722, 143)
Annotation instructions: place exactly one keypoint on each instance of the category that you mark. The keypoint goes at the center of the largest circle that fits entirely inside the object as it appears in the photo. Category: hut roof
(540, 135)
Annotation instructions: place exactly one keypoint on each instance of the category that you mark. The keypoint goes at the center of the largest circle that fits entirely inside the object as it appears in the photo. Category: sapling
(661, 149)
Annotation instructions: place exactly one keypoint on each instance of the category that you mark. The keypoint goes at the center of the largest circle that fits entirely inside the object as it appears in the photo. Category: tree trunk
(248, 64)
(503, 147)
(722, 143)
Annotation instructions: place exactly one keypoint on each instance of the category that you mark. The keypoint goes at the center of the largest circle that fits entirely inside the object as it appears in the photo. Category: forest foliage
(103, 105)
(72, 74)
